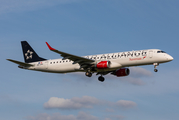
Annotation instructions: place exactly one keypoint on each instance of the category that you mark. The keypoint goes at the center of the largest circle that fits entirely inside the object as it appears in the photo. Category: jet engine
(103, 64)
(121, 72)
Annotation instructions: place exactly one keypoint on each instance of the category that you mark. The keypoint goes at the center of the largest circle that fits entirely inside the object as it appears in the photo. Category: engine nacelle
(103, 64)
(121, 72)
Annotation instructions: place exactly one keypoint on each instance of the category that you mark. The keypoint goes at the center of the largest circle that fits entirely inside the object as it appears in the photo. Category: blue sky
(86, 27)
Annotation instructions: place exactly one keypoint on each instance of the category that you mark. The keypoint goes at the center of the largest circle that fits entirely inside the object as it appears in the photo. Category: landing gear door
(150, 53)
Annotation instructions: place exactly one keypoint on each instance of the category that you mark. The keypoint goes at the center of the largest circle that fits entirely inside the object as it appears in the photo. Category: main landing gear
(89, 74)
(101, 78)
(155, 67)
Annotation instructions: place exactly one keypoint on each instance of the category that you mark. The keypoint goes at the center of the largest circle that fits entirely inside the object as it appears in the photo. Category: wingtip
(49, 46)
(8, 59)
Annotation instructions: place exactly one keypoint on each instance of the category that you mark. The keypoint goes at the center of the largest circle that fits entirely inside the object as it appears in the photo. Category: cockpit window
(161, 52)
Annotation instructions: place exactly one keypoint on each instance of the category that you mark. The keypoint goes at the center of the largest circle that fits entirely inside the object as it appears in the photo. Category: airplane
(114, 63)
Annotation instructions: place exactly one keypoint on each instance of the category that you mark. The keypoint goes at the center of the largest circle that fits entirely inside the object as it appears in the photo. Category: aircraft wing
(77, 59)
(20, 63)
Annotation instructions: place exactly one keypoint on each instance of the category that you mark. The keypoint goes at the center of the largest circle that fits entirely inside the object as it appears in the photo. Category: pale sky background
(87, 27)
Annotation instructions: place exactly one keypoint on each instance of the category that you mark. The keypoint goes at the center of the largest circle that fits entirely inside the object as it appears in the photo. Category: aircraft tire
(101, 78)
(89, 74)
(155, 70)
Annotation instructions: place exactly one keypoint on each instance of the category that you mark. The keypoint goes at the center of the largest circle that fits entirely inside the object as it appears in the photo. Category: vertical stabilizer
(29, 54)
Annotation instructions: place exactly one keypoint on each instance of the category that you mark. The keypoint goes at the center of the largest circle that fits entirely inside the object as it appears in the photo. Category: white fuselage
(118, 60)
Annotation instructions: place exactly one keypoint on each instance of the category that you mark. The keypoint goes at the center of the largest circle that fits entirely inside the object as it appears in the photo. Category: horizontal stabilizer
(20, 63)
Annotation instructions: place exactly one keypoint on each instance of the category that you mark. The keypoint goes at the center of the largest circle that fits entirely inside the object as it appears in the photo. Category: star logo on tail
(28, 54)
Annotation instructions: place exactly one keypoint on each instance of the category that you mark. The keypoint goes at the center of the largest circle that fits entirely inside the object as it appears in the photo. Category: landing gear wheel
(155, 67)
(101, 78)
(89, 74)
(155, 70)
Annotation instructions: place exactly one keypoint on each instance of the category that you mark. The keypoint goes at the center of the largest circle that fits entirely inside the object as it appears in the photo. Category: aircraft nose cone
(170, 58)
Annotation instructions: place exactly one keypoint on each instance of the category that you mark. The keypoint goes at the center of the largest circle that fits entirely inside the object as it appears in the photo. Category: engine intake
(121, 72)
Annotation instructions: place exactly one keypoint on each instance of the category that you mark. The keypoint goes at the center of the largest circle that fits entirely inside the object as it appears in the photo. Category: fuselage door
(150, 53)
(42, 65)
(46, 64)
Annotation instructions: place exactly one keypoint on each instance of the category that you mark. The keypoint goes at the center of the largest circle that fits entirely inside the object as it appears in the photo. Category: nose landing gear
(155, 67)
(155, 70)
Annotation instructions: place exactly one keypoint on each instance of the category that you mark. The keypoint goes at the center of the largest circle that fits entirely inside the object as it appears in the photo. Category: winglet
(50, 46)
